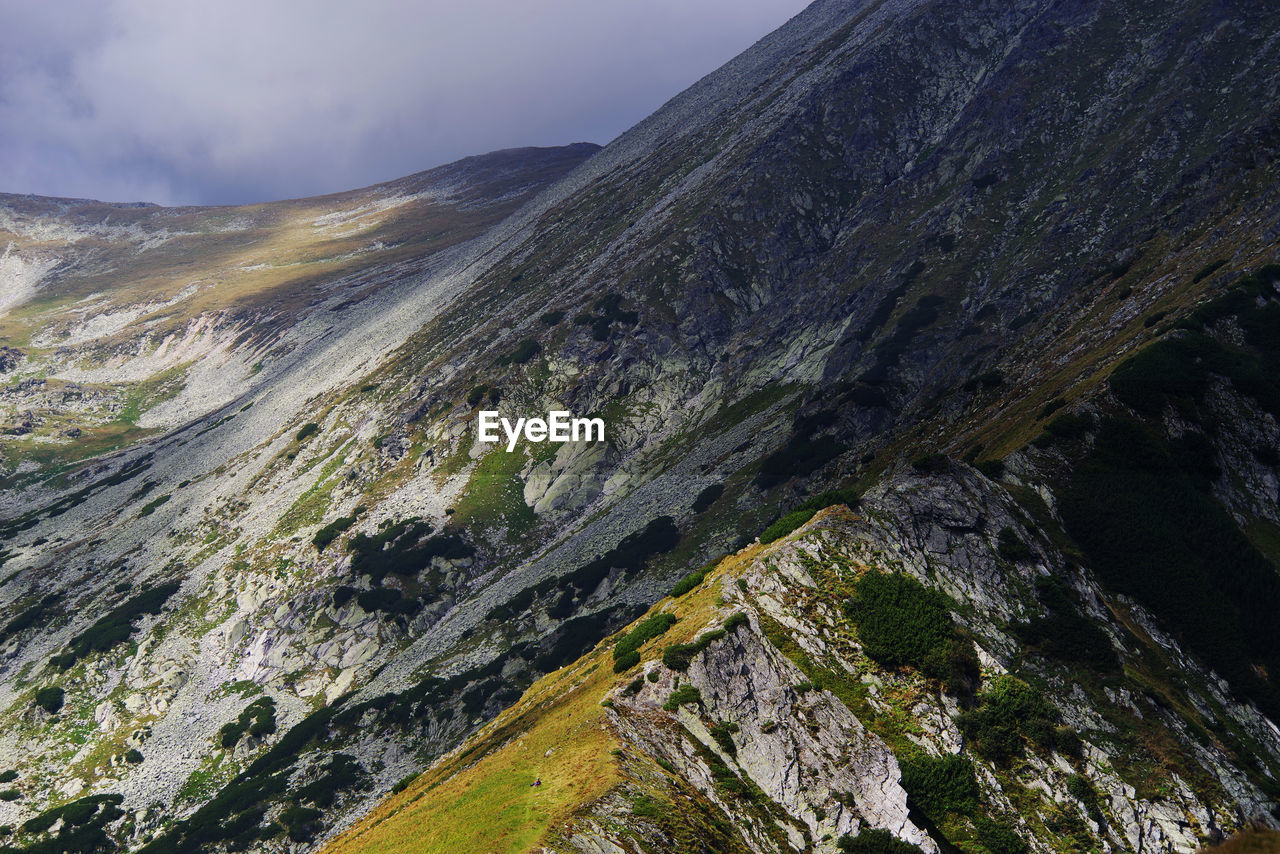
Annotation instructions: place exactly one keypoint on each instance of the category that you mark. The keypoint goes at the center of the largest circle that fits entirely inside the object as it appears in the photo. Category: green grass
(494, 495)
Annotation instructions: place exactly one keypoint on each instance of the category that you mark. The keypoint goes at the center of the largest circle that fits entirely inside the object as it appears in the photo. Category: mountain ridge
(888, 232)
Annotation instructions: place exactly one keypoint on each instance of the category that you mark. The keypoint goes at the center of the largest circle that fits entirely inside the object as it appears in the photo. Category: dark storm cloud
(247, 100)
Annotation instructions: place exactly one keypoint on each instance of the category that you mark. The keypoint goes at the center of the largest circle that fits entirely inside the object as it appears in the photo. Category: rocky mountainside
(1005, 270)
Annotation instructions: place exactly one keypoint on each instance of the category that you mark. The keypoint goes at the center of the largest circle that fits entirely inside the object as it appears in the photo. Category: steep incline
(890, 230)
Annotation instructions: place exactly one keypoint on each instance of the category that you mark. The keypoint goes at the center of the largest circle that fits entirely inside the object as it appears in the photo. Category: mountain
(937, 338)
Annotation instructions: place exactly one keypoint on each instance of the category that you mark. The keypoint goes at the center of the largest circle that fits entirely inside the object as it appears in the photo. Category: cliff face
(781, 731)
(252, 539)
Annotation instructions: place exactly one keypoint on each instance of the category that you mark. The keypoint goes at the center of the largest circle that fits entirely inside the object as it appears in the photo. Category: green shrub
(998, 839)
(50, 698)
(874, 840)
(681, 696)
(523, 352)
(32, 615)
(1081, 788)
(551, 318)
(342, 594)
(308, 430)
(331, 531)
(9, 776)
(806, 511)
(899, 620)
(404, 783)
(692, 581)
(1140, 515)
(992, 469)
(786, 525)
(627, 648)
(117, 626)
(133, 756)
(734, 620)
(801, 457)
(707, 497)
(903, 623)
(1064, 633)
(1208, 270)
(937, 785)
(476, 395)
(1008, 715)
(1068, 425)
(626, 661)
(723, 733)
(679, 656)
(931, 463)
(659, 536)
(10, 795)
(1011, 546)
(989, 379)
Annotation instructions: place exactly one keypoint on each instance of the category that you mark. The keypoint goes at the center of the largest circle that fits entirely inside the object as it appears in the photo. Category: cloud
(245, 101)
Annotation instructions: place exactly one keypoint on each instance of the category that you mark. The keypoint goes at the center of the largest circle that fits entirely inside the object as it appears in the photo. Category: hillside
(990, 266)
(789, 727)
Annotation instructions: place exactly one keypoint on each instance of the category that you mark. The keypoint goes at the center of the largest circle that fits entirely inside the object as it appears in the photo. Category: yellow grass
(479, 798)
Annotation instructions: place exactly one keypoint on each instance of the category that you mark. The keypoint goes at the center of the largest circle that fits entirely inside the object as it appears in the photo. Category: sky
(240, 101)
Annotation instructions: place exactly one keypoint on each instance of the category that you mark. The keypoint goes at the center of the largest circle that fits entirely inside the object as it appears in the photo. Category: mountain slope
(793, 735)
(888, 232)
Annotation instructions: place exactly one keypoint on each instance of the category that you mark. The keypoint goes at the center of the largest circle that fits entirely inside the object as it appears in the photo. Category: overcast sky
(249, 100)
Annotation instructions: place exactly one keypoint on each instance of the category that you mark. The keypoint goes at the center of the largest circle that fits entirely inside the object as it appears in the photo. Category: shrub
(10, 795)
(786, 525)
(476, 395)
(308, 430)
(806, 511)
(734, 620)
(681, 696)
(551, 318)
(1146, 528)
(330, 532)
(404, 783)
(133, 756)
(1064, 633)
(875, 841)
(524, 351)
(50, 698)
(992, 469)
(1009, 714)
(931, 463)
(691, 581)
(679, 656)
(1208, 270)
(899, 620)
(1011, 546)
(30, 616)
(625, 661)
(723, 734)
(801, 457)
(998, 839)
(903, 623)
(937, 785)
(628, 646)
(342, 594)
(707, 497)
(117, 626)
(9, 776)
